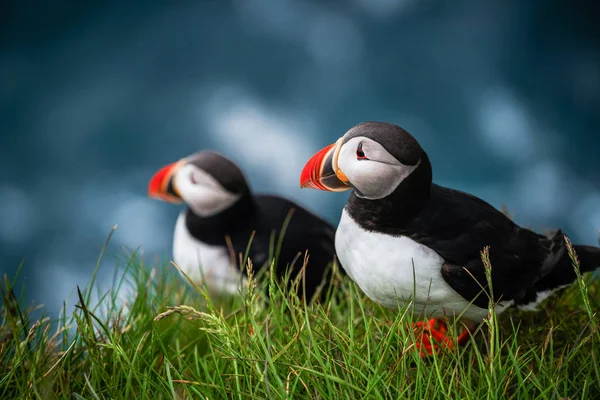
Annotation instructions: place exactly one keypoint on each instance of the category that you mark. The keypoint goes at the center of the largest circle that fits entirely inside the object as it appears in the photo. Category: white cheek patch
(385, 179)
(377, 176)
(202, 193)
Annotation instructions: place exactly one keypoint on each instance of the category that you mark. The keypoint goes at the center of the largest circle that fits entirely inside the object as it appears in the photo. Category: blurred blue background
(95, 97)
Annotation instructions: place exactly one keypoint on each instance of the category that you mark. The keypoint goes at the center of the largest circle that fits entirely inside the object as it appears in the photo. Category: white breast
(203, 262)
(382, 266)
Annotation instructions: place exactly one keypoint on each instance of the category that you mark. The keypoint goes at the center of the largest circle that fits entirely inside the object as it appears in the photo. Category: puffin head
(373, 158)
(206, 181)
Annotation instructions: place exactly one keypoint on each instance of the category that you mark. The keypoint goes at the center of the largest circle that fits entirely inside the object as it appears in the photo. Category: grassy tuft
(173, 340)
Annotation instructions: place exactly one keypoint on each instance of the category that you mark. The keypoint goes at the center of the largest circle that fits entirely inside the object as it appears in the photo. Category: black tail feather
(563, 272)
(589, 257)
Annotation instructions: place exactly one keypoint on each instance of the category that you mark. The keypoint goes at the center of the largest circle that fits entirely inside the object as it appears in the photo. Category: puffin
(403, 238)
(221, 215)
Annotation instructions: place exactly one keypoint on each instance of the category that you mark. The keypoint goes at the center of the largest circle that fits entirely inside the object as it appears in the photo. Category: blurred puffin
(220, 205)
(396, 218)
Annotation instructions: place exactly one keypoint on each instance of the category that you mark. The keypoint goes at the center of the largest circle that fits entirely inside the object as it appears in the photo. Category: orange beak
(162, 186)
(321, 172)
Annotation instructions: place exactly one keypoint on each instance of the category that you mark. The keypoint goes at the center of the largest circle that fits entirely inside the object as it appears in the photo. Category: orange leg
(432, 338)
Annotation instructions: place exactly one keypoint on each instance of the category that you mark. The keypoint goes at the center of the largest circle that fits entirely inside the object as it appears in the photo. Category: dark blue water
(503, 95)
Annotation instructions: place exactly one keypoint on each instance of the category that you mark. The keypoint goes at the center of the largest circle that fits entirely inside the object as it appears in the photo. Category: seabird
(401, 237)
(221, 208)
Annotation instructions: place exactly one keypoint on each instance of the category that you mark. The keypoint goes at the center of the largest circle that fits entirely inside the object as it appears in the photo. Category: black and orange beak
(162, 186)
(321, 171)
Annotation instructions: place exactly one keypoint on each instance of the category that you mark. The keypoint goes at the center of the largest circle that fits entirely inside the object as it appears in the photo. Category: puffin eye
(192, 178)
(360, 154)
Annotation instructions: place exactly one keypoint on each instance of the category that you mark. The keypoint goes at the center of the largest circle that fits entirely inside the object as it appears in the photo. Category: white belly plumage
(204, 263)
(382, 266)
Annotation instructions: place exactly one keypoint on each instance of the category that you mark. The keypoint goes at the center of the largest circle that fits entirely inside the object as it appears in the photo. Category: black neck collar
(390, 214)
(213, 229)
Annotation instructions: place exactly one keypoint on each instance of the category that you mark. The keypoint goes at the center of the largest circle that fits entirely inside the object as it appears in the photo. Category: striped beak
(321, 171)
(162, 186)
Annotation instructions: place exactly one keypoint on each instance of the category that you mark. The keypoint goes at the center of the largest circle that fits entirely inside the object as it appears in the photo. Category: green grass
(175, 341)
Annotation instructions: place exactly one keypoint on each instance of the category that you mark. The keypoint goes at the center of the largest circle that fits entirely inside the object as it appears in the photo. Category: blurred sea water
(504, 97)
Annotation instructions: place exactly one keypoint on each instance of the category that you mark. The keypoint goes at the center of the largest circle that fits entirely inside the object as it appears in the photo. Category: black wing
(458, 226)
(304, 232)
(307, 233)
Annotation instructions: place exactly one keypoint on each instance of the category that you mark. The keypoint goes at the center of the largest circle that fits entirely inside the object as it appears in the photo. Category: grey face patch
(376, 175)
(202, 192)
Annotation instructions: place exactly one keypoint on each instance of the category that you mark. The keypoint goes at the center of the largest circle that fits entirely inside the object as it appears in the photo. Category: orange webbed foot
(434, 336)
